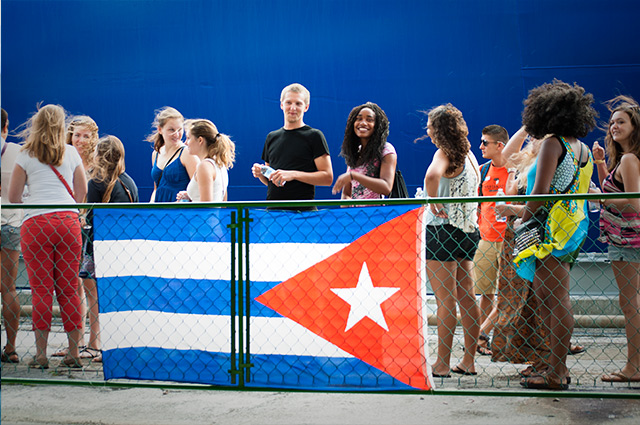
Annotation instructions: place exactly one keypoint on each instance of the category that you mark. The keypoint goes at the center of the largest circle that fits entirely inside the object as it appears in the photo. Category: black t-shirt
(95, 190)
(294, 150)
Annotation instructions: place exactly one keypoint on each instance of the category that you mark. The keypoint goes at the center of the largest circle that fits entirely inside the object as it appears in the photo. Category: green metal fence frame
(240, 367)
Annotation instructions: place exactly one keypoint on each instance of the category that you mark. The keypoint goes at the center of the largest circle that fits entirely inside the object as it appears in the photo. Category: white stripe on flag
(145, 328)
(275, 262)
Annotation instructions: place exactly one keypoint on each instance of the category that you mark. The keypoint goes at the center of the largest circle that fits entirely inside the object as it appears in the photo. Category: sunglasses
(487, 143)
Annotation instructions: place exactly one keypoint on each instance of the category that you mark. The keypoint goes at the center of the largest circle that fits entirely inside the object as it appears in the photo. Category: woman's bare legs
(628, 280)
(442, 276)
(551, 287)
(469, 314)
(10, 301)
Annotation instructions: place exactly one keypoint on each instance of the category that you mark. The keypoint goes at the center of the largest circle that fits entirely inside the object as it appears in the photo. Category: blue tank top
(172, 180)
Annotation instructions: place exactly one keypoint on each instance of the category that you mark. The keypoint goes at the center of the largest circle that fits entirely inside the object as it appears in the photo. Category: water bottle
(500, 218)
(420, 193)
(267, 171)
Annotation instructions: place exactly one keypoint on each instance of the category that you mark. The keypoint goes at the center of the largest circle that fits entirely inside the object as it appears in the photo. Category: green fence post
(246, 363)
(233, 370)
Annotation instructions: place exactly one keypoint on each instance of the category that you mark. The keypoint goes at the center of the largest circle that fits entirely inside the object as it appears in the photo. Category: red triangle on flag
(385, 327)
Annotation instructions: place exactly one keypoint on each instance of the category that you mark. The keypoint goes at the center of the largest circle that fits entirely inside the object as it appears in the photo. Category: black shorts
(448, 243)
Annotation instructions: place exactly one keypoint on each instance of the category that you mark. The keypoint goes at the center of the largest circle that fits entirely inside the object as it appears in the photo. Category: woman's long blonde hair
(90, 124)
(220, 148)
(162, 116)
(108, 164)
(44, 135)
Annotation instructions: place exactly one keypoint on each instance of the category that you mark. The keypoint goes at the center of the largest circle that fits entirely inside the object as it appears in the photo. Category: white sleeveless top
(219, 184)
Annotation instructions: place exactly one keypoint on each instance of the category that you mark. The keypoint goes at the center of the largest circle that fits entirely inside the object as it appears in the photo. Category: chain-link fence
(355, 298)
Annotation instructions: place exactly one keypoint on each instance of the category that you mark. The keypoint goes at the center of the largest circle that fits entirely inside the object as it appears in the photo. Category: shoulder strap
(484, 170)
(168, 162)
(576, 161)
(126, 189)
(64, 182)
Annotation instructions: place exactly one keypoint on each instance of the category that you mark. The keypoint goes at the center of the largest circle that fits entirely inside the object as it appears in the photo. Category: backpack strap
(484, 170)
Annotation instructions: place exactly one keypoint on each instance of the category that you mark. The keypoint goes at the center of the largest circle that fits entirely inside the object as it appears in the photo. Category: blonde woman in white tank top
(217, 153)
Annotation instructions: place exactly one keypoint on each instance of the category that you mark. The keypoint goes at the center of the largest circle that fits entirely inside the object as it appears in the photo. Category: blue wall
(118, 61)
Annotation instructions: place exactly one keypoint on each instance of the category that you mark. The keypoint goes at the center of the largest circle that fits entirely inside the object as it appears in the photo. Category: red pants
(51, 247)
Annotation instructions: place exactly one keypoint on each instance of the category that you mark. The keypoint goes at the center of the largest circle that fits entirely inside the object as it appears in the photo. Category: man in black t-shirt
(298, 153)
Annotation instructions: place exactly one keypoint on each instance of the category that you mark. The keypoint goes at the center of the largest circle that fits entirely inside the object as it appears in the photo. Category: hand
(344, 180)
(598, 152)
(438, 210)
(256, 170)
(182, 196)
(504, 210)
(280, 177)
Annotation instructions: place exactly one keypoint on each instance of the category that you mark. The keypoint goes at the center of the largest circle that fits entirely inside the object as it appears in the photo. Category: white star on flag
(365, 300)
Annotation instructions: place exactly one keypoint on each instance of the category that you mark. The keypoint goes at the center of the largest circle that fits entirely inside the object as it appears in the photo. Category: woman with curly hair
(620, 220)
(371, 160)
(452, 236)
(557, 113)
(82, 134)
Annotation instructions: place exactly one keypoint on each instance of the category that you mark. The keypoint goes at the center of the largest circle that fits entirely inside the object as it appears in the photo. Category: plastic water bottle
(420, 193)
(267, 171)
(500, 218)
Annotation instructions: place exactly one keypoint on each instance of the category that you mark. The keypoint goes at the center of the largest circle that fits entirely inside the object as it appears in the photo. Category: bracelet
(598, 161)
(512, 170)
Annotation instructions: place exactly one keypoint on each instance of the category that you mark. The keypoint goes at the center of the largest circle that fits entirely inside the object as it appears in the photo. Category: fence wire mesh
(338, 299)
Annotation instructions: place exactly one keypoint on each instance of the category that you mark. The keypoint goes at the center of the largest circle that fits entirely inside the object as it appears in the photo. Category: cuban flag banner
(337, 297)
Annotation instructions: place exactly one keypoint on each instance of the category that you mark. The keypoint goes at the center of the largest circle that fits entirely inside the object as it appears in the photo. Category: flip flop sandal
(93, 354)
(618, 377)
(576, 349)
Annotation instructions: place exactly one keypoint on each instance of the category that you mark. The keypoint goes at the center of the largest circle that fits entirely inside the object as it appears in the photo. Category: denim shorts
(10, 237)
(448, 243)
(617, 253)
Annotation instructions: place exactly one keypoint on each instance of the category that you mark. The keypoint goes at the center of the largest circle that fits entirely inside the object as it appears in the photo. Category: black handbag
(399, 189)
(531, 232)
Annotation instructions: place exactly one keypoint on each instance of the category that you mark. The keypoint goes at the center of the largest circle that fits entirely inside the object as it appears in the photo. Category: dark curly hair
(560, 109)
(351, 150)
(449, 134)
(614, 150)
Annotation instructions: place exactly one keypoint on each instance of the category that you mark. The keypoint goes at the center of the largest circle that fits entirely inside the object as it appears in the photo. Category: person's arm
(547, 164)
(205, 176)
(599, 161)
(384, 184)
(155, 187)
(256, 170)
(381, 185)
(190, 162)
(514, 145)
(322, 177)
(16, 184)
(79, 184)
(434, 173)
(629, 173)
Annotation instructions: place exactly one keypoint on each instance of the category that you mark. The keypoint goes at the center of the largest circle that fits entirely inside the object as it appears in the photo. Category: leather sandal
(74, 363)
(10, 357)
(34, 363)
(545, 382)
